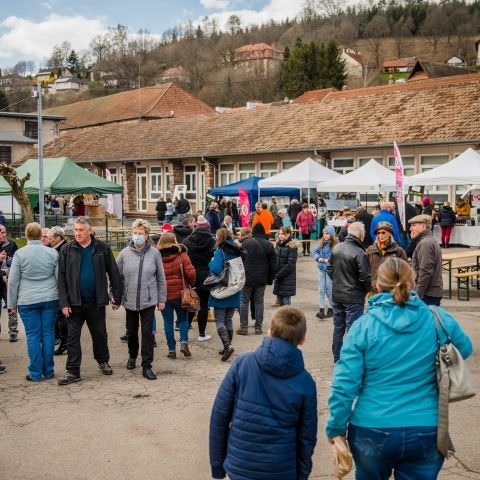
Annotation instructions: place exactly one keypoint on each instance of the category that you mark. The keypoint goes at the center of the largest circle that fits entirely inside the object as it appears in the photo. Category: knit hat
(329, 230)
(384, 226)
(202, 222)
(166, 227)
(426, 201)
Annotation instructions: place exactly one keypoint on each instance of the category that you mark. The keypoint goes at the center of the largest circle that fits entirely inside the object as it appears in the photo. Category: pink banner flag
(244, 207)
(399, 184)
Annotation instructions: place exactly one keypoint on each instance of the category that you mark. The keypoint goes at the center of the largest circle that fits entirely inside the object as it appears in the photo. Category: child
(286, 250)
(264, 419)
(321, 254)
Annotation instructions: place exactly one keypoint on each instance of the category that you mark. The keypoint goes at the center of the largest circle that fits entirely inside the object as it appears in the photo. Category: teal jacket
(385, 377)
(33, 275)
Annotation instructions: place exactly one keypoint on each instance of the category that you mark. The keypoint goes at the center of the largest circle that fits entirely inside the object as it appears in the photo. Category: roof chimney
(251, 105)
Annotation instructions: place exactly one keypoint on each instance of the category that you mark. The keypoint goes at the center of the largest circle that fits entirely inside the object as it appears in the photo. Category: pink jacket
(304, 221)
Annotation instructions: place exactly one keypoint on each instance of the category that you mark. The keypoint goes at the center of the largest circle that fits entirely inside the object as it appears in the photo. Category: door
(142, 205)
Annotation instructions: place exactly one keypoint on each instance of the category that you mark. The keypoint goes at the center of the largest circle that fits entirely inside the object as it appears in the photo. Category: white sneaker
(205, 338)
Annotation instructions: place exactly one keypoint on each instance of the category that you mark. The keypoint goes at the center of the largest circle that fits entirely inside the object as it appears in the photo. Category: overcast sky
(30, 28)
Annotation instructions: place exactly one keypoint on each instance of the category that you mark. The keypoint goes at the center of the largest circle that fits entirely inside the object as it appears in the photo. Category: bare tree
(435, 26)
(330, 8)
(347, 33)
(376, 30)
(20, 68)
(463, 25)
(401, 29)
(17, 185)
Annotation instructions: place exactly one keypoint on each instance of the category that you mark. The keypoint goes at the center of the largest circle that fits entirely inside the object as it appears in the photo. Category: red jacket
(172, 258)
(304, 221)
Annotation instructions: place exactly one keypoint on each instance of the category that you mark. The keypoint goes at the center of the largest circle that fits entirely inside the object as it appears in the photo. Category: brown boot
(185, 350)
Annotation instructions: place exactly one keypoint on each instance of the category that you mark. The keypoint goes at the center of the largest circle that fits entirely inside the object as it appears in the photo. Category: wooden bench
(463, 283)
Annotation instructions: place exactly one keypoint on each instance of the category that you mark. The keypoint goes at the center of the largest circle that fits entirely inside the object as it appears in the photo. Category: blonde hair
(286, 230)
(396, 276)
(167, 240)
(33, 231)
(290, 324)
(244, 233)
(141, 223)
(222, 235)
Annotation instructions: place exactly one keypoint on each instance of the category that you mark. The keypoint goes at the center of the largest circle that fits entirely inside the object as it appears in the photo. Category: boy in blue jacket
(264, 419)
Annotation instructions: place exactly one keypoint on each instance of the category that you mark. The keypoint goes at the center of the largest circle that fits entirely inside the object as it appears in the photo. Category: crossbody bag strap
(181, 272)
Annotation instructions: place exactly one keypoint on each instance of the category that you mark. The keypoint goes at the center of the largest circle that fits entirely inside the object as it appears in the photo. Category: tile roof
(400, 62)
(437, 70)
(314, 95)
(160, 101)
(357, 56)
(433, 111)
(256, 46)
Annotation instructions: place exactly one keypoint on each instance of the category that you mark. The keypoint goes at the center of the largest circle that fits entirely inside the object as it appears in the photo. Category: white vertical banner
(399, 184)
(108, 176)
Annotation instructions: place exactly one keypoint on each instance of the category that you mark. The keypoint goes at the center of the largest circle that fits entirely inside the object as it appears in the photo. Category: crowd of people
(264, 419)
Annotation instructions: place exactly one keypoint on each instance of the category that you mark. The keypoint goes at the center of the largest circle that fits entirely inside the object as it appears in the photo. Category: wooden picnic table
(449, 257)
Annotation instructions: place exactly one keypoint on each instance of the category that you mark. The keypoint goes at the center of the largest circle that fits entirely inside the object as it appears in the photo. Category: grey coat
(143, 278)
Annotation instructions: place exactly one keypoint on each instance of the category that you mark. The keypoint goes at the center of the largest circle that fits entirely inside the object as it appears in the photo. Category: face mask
(138, 240)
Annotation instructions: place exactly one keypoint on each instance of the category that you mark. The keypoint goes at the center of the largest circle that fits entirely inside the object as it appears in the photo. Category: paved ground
(124, 427)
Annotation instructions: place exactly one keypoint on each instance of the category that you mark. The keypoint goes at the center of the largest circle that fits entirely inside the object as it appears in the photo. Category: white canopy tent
(307, 174)
(462, 170)
(370, 178)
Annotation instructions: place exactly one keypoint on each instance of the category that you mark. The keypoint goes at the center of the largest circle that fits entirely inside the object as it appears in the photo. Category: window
(226, 174)
(246, 170)
(31, 129)
(142, 189)
(114, 175)
(408, 164)
(190, 175)
(268, 169)
(289, 164)
(343, 165)
(155, 183)
(364, 161)
(6, 154)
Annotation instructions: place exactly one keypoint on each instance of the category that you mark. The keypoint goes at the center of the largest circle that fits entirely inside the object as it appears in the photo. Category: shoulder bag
(189, 299)
(220, 280)
(454, 382)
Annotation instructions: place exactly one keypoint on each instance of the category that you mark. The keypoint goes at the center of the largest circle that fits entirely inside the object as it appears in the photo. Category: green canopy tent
(61, 177)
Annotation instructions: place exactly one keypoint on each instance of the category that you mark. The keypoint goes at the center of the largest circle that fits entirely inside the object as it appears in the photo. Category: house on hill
(424, 70)
(69, 84)
(160, 101)
(175, 74)
(343, 130)
(259, 59)
(354, 62)
(399, 65)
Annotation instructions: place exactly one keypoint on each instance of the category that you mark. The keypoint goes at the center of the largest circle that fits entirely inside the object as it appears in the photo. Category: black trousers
(95, 318)
(306, 245)
(202, 314)
(145, 318)
(61, 328)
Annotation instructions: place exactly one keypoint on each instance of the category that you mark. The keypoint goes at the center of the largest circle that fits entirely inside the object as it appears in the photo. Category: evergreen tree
(3, 101)
(73, 62)
(309, 66)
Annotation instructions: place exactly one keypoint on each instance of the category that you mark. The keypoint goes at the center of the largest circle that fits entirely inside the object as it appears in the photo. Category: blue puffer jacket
(322, 251)
(264, 419)
(227, 251)
(385, 216)
(387, 367)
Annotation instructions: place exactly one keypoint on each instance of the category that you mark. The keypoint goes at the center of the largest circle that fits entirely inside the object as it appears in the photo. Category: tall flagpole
(41, 186)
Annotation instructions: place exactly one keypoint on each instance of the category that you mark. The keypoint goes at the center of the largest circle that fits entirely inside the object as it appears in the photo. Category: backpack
(236, 279)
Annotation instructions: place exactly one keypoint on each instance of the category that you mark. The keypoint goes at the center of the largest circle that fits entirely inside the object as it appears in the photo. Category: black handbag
(220, 280)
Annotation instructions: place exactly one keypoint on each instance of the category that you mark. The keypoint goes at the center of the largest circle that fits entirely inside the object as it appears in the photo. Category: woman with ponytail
(384, 390)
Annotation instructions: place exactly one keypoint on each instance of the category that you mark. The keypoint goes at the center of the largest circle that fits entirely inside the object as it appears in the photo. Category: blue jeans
(344, 314)
(182, 317)
(39, 321)
(284, 300)
(325, 288)
(410, 452)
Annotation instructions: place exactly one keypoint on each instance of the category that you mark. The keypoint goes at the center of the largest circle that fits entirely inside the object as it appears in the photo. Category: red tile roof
(400, 63)
(314, 95)
(160, 101)
(440, 110)
(255, 46)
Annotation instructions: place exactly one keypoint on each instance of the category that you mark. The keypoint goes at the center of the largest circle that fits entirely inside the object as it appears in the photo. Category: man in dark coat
(182, 207)
(349, 270)
(293, 210)
(185, 229)
(200, 246)
(161, 209)
(366, 218)
(260, 265)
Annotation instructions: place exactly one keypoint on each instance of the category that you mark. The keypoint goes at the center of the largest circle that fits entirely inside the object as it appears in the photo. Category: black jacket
(69, 275)
(285, 284)
(214, 220)
(366, 218)
(446, 216)
(182, 206)
(9, 247)
(349, 270)
(293, 211)
(410, 212)
(260, 262)
(181, 232)
(200, 245)
(161, 209)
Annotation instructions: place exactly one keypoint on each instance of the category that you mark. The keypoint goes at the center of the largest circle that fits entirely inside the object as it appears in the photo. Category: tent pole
(41, 187)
